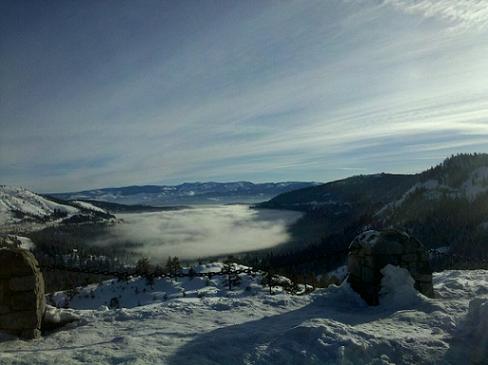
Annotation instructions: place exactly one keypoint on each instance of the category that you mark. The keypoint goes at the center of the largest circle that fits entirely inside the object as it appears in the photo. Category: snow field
(330, 326)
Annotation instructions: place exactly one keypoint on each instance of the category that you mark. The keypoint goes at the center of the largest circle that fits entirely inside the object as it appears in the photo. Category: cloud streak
(463, 14)
(257, 92)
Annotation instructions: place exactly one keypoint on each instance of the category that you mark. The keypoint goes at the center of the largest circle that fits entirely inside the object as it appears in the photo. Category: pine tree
(143, 267)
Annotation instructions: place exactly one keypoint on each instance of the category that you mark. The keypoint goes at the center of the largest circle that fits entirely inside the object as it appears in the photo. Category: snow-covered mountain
(199, 321)
(19, 206)
(188, 193)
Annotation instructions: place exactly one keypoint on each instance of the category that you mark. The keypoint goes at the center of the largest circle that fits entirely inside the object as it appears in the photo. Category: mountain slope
(449, 207)
(187, 193)
(446, 205)
(363, 190)
(19, 205)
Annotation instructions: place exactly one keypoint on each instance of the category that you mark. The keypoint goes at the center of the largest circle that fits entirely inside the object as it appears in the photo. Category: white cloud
(468, 14)
(292, 91)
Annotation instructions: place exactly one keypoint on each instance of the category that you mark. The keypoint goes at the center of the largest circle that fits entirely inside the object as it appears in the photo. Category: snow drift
(201, 322)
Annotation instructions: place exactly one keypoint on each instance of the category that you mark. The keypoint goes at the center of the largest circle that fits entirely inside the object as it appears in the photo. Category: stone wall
(371, 251)
(22, 301)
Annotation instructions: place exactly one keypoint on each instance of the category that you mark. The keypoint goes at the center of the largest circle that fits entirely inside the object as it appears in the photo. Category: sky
(112, 93)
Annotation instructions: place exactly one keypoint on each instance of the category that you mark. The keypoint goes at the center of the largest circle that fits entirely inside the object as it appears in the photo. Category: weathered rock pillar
(371, 251)
(22, 301)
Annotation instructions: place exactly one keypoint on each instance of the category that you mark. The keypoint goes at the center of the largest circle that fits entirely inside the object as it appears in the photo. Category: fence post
(22, 301)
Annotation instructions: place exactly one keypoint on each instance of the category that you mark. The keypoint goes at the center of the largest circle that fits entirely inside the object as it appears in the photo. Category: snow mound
(475, 330)
(477, 317)
(397, 287)
(56, 315)
(342, 294)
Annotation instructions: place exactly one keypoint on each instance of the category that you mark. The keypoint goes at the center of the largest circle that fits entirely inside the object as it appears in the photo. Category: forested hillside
(446, 205)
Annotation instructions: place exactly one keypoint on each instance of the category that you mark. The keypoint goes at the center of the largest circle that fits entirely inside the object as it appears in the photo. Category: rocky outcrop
(22, 302)
(371, 251)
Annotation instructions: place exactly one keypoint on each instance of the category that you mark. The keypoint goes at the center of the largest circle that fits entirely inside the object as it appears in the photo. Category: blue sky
(111, 93)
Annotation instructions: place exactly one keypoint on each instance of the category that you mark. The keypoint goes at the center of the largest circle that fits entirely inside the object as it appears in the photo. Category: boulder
(372, 250)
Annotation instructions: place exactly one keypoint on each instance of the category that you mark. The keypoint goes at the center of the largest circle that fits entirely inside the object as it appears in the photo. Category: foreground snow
(248, 326)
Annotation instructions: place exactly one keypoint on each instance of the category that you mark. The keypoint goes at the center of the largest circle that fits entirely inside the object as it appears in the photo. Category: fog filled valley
(200, 231)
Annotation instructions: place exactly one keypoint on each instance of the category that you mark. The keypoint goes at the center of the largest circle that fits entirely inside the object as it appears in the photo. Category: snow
(440, 251)
(85, 205)
(18, 241)
(475, 329)
(430, 186)
(340, 273)
(136, 291)
(367, 239)
(22, 210)
(22, 200)
(26, 243)
(330, 326)
(477, 183)
(56, 315)
(397, 287)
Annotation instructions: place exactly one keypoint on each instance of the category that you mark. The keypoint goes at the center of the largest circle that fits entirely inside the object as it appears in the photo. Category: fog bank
(202, 231)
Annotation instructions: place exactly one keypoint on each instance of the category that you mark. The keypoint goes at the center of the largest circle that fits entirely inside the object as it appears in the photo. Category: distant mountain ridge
(187, 193)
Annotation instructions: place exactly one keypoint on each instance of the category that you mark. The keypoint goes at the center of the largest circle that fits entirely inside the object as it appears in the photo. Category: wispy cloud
(259, 92)
(467, 14)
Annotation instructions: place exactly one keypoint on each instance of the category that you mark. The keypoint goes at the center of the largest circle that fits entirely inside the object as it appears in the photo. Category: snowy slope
(27, 203)
(19, 205)
(475, 185)
(331, 326)
(136, 291)
(88, 206)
